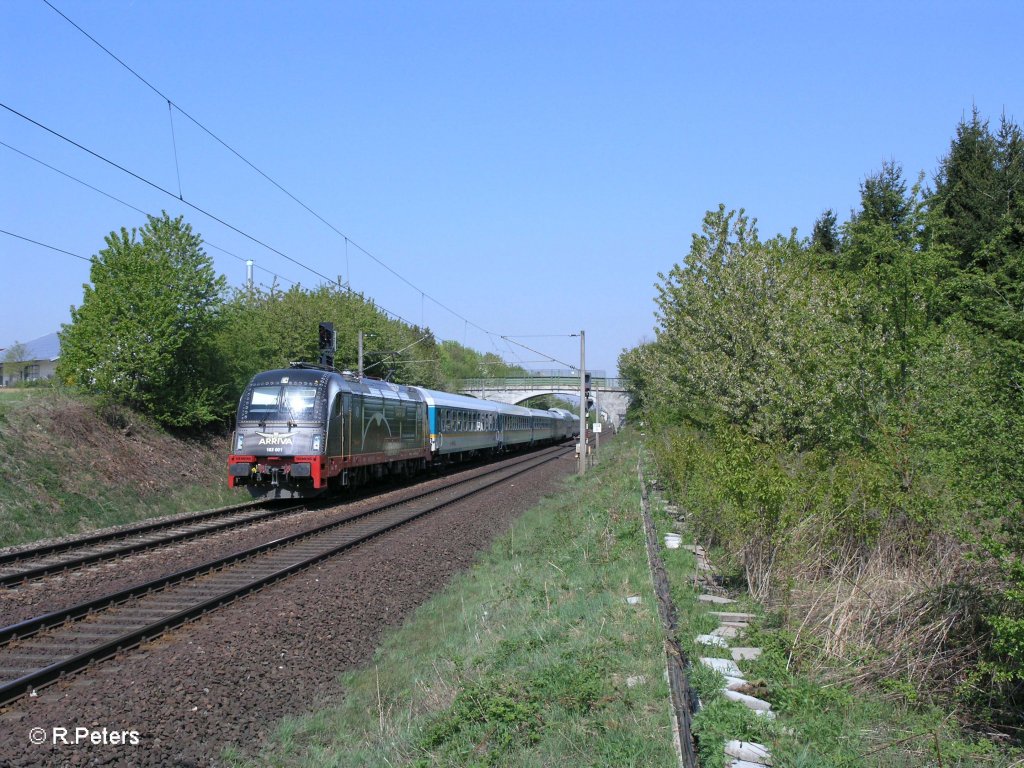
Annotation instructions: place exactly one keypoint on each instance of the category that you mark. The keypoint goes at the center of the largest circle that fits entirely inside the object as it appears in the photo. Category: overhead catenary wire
(174, 145)
(190, 204)
(245, 160)
(132, 207)
(172, 105)
(44, 245)
(538, 352)
(139, 210)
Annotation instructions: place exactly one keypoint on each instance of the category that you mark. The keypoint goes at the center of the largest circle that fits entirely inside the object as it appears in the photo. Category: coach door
(346, 426)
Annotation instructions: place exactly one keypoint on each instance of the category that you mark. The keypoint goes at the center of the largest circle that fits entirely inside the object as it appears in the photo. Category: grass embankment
(821, 724)
(534, 657)
(71, 465)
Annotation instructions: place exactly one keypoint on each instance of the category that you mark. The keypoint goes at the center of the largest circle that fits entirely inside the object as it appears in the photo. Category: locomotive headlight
(317, 439)
(238, 443)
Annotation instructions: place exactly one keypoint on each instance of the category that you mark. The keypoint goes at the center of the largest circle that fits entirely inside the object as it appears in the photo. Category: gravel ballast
(229, 678)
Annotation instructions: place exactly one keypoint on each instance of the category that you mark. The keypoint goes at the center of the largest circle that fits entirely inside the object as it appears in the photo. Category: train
(309, 429)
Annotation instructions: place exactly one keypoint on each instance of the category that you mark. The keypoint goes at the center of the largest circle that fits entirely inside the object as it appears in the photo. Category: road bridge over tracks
(609, 393)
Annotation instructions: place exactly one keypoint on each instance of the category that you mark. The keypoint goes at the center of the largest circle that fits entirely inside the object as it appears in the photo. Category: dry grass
(884, 615)
(72, 467)
(111, 443)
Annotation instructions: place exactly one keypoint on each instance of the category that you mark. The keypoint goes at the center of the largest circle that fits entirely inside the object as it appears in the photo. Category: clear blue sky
(531, 165)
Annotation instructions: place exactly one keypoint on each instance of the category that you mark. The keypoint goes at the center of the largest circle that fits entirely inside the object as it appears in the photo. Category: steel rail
(41, 676)
(202, 519)
(99, 538)
(15, 577)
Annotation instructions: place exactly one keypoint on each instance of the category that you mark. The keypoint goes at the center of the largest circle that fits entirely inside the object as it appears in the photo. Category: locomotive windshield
(290, 402)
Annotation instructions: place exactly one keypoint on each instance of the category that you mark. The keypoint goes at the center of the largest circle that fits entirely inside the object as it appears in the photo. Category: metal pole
(583, 404)
(360, 368)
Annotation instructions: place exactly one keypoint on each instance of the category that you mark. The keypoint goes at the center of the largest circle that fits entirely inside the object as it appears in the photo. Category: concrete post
(583, 404)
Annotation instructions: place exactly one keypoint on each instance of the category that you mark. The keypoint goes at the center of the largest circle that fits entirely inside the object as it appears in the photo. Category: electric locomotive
(302, 430)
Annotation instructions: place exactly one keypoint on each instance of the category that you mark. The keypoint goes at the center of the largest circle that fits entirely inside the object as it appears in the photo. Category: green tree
(978, 207)
(751, 334)
(14, 355)
(970, 190)
(637, 368)
(979, 212)
(826, 241)
(895, 274)
(143, 333)
(262, 330)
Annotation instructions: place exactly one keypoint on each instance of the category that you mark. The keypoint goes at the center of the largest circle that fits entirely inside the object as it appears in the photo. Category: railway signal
(328, 344)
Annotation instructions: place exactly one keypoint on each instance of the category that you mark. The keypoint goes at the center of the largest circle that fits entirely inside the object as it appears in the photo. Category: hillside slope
(72, 465)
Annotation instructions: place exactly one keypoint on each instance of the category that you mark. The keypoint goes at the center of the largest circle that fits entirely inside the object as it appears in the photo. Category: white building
(37, 360)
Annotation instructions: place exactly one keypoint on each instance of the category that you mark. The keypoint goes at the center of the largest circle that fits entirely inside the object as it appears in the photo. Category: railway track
(38, 562)
(41, 650)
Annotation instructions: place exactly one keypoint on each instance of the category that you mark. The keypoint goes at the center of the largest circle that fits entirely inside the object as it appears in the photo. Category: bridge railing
(563, 383)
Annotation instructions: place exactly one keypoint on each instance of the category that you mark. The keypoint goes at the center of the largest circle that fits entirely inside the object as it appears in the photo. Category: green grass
(58, 479)
(25, 518)
(524, 660)
(826, 725)
(12, 397)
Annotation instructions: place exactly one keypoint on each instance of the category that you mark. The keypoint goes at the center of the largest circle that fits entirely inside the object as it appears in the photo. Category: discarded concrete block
(715, 599)
(726, 630)
(750, 702)
(725, 666)
(754, 753)
(634, 599)
(735, 763)
(735, 683)
(725, 616)
(746, 654)
(634, 680)
(711, 640)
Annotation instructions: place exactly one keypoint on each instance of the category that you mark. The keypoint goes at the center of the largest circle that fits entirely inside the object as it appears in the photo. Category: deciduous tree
(142, 335)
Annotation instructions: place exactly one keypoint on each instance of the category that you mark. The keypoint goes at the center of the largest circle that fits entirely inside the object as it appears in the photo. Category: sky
(519, 171)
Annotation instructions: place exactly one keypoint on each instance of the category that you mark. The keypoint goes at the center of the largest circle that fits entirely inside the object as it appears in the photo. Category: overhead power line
(132, 207)
(44, 245)
(171, 103)
(236, 153)
(538, 352)
(192, 205)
